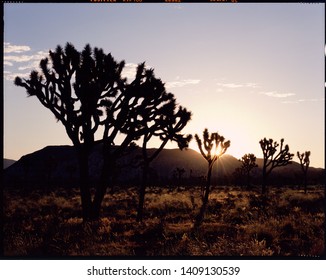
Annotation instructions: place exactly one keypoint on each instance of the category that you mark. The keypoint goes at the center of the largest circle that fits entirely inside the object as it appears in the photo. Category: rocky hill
(57, 166)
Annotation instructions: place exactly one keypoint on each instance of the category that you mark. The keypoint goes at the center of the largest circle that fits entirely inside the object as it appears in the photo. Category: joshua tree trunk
(142, 191)
(84, 184)
(200, 216)
(263, 187)
(104, 183)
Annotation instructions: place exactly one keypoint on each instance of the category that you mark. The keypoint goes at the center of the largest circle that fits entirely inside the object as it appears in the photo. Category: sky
(246, 71)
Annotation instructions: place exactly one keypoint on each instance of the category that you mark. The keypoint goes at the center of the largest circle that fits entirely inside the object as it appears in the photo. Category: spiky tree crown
(271, 159)
(85, 90)
(248, 162)
(211, 142)
(304, 160)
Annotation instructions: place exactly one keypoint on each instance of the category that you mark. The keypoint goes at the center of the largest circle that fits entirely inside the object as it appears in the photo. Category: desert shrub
(308, 204)
(167, 203)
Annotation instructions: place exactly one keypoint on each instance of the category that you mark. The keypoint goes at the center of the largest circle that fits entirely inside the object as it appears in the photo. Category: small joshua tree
(273, 160)
(178, 173)
(248, 162)
(215, 146)
(304, 162)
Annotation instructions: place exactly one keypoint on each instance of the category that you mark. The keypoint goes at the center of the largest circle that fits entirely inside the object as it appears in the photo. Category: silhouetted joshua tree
(304, 162)
(71, 89)
(273, 160)
(85, 91)
(178, 173)
(215, 146)
(248, 162)
(159, 119)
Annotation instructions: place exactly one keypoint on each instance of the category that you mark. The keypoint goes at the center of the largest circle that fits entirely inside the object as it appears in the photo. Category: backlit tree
(215, 146)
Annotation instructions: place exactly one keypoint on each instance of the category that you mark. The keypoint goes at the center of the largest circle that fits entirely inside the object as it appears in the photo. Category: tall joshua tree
(85, 92)
(215, 146)
(72, 88)
(273, 159)
(248, 162)
(304, 162)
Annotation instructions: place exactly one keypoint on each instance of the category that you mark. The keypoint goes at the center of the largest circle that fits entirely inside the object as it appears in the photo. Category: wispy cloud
(33, 65)
(25, 58)
(8, 63)
(9, 48)
(10, 76)
(20, 58)
(17, 58)
(130, 69)
(224, 86)
(303, 100)
(233, 85)
(277, 94)
(182, 83)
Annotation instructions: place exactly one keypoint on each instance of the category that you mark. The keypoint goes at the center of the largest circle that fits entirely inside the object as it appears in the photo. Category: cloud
(303, 100)
(9, 76)
(21, 58)
(25, 58)
(9, 48)
(230, 85)
(182, 83)
(18, 58)
(311, 100)
(35, 64)
(129, 71)
(277, 95)
(290, 102)
(252, 85)
(233, 85)
(8, 63)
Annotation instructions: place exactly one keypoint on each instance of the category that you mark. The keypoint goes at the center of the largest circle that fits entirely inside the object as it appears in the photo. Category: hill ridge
(57, 164)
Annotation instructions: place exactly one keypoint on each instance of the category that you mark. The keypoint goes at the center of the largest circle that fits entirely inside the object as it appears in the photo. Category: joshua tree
(304, 162)
(273, 160)
(85, 91)
(178, 173)
(163, 122)
(215, 146)
(248, 162)
(72, 89)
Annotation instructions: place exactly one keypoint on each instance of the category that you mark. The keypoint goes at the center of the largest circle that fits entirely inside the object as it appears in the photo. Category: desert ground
(238, 222)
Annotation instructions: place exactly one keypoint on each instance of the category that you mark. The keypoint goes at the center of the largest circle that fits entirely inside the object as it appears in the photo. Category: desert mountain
(7, 162)
(57, 165)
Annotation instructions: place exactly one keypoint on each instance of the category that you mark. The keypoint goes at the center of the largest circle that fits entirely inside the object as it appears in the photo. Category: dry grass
(237, 223)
